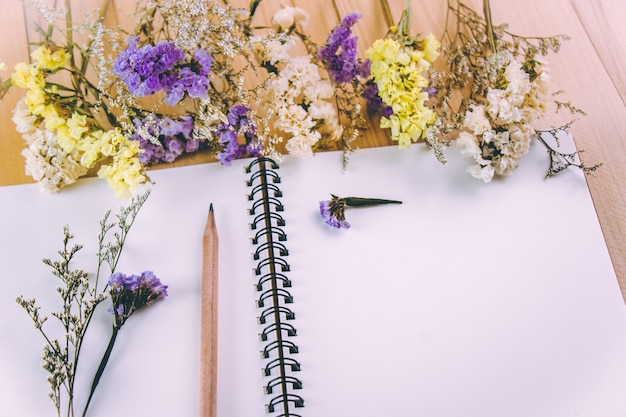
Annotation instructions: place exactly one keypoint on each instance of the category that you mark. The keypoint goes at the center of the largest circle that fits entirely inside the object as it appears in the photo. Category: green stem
(365, 202)
(489, 24)
(387, 13)
(336, 9)
(103, 364)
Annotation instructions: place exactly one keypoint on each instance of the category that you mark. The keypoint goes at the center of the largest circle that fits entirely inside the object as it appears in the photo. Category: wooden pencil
(208, 320)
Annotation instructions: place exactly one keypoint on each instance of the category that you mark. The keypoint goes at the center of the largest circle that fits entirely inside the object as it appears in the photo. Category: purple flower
(130, 293)
(145, 69)
(374, 102)
(204, 61)
(432, 91)
(166, 139)
(238, 123)
(339, 54)
(332, 212)
(162, 67)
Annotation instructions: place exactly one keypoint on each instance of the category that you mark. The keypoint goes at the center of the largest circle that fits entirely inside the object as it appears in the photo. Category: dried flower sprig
(399, 69)
(503, 82)
(313, 99)
(129, 293)
(333, 210)
(80, 295)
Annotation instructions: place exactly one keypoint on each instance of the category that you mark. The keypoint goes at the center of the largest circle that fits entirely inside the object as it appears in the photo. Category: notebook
(468, 299)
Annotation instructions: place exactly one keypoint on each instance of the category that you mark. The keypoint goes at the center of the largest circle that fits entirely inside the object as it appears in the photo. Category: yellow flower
(49, 60)
(65, 141)
(36, 101)
(383, 50)
(398, 73)
(431, 48)
(52, 119)
(27, 76)
(125, 173)
(77, 125)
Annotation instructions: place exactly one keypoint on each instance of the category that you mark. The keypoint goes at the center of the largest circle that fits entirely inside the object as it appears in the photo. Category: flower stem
(489, 26)
(103, 364)
(365, 202)
(387, 13)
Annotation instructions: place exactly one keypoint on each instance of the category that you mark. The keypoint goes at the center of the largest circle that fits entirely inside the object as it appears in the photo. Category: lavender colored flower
(238, 123)
(163, 67)
(147, 70)
(333, 210)
(339, 54)
(130, 293)
(432, 91)
(374, 102)
(166, 139)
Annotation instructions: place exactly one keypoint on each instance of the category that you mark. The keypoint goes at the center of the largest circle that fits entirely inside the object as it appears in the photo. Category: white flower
(319, 90)
(320, 109)
(301, 73)
(23, 118)
(48, 164)
(278, 92)
(302, 145)
(272, 50)
(469, 145)
(327, 114)
(520, 136)
(294, 119)
(476, 120)
(484, 173)
(289, 16)
(519, 83)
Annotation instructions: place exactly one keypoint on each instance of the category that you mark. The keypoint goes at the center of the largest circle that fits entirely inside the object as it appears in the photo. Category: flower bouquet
(206, 76)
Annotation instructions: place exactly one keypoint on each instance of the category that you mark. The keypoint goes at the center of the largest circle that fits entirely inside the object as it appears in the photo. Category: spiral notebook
(468, 299)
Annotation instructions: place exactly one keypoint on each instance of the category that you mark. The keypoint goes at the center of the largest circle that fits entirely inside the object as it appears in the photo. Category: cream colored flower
(476, 120)
(289, 16)
(48, 163)
(24, 120)
(302, 145)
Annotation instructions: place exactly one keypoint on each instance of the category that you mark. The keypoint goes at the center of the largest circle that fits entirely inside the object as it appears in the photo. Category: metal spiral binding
(272, 284)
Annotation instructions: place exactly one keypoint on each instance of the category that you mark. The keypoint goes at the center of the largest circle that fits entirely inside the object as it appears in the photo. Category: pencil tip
(211, 208)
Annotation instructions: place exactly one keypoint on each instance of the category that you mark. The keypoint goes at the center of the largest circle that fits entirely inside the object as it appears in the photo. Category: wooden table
(589, 68)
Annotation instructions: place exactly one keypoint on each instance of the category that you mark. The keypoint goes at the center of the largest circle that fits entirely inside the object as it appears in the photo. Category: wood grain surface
(589, 68)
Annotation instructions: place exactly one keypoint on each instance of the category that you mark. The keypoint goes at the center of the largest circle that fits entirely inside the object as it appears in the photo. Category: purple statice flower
(192, 80)
(374, 102)
(130, 293)
(339, 54)
(163, 67)
(332, 212)
(432, 91)
(148, 69)
(165, 139)
(238, 123)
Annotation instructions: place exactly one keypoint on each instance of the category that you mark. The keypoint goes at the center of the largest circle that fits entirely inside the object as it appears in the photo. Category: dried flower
(130, 293)
(333, 210)
(504, 83)
(238, 123)
(80, 297)
(399, 67)
(339, 54)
